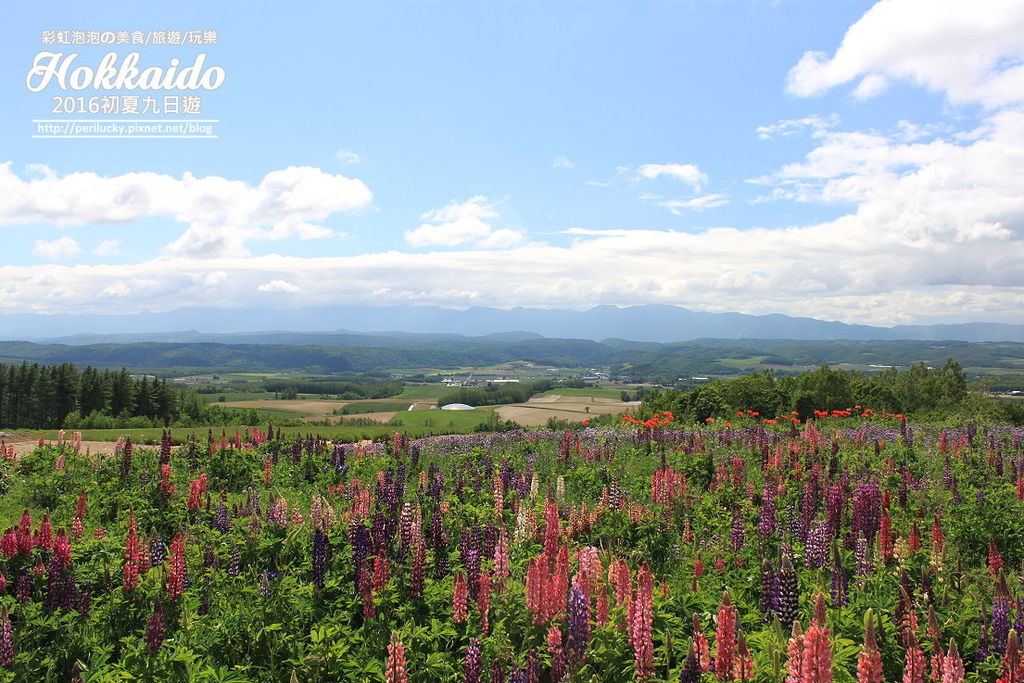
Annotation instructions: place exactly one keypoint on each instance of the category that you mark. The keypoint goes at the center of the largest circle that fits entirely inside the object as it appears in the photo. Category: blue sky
(811, 158)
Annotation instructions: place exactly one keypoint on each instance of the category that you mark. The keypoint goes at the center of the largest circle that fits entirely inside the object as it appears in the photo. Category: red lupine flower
(177, 568)
(395, 672)
(995, 560)
(77, 531)
(557, 591)
(869, 664)
(44, 537)
(130, 577)
(483, 600)
(460, 598)
(9, 543)
(1013, 669)
(195, 492)
(725, 639)
(536, 583)
(381, 573)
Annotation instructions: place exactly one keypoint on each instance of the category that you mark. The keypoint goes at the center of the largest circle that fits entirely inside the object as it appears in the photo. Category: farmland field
(657, 552)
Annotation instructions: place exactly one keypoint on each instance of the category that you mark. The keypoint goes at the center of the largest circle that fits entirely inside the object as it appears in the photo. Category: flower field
(849, 548)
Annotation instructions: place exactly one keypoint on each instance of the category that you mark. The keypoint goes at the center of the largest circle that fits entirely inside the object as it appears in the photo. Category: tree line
(494, 394)
(917, 389)
(34, 396)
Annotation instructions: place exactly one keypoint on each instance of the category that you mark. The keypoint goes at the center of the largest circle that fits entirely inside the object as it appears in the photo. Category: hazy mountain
(349, 325)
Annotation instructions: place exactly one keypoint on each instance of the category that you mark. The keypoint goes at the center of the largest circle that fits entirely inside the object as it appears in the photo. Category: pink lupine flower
(395, 671)
(795, 654)
(641, 618)
(953, 665)
(913, 667)
(869, 664)
(725, 639)
(816, 666)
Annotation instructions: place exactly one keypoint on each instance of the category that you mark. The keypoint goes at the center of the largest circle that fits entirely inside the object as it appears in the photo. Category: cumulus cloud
(107, 248)
(708, 201)
(222, 215)
(970, 51)
(816, 124)
(687, 173)
(347, 156)
(460, 224)
(280, 286)
(562, 162)
(57, 250)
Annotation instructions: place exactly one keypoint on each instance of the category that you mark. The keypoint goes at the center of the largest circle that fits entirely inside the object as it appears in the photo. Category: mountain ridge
(659, 323)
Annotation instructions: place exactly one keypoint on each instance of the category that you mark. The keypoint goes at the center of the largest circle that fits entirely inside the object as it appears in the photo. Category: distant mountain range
(349, 325)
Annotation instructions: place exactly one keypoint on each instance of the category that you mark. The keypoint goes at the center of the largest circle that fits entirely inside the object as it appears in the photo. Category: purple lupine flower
(867, 508)
(6, 640)
(498, 674)
(472, 668)
(865, 562)
(155, 628)
(691, 672)
(235, 563)
(319, 558)
(359, 539)
(999, 630)
(157, 551)
(766, 524)
(786, 596)
(84, 605)
(472, 562)
(835, 505)
(265, 589)
(816, 548)
(840, 587)
(221, 518)
(209, 557)
(23, 588)
(738, 533)
(767, 590)
(578, 628)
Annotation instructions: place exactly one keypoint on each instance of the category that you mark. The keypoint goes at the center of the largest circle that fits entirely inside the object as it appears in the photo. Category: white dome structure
(457, 406)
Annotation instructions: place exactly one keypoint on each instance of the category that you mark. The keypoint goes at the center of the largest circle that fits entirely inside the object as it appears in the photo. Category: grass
(238, 396)
(444, 420)
(421, 391)
(360, 407)
(742, 363)
(443, 423)
(593, 392)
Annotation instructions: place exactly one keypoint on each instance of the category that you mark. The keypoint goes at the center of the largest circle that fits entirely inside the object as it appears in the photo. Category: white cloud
(57, 250)
(107, 248)
(347, 156)
(562, 162)
(816, 124)
(970, 51)
(222, 215)
(708, 201)
(687, 173)
(279, 286)
(460, 224)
